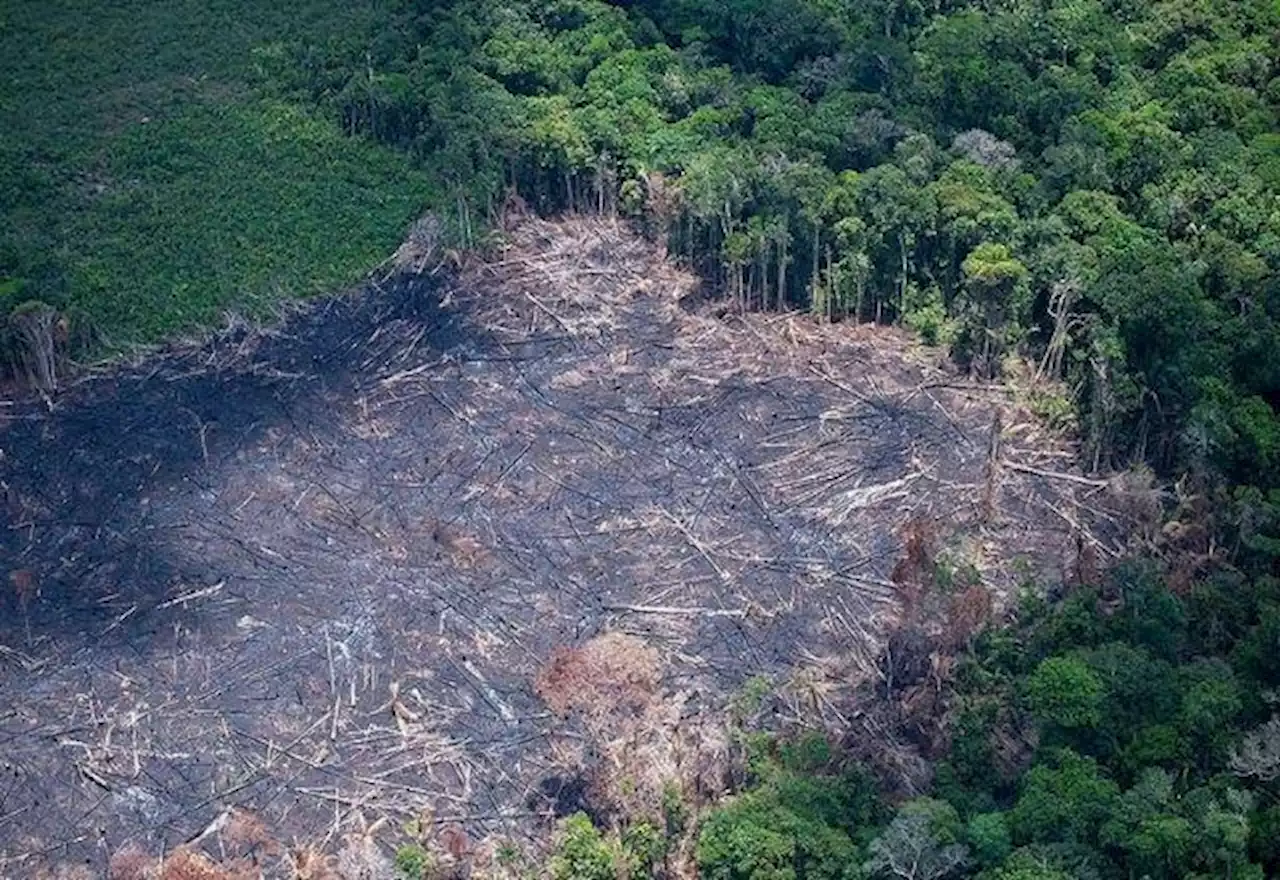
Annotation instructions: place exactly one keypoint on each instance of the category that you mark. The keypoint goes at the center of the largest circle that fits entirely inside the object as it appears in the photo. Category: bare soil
(313, 571)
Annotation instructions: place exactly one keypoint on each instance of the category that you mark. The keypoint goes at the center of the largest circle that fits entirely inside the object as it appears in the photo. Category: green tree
(1028, 865)
(1221, 836)
(583, 853)
(1146, 826)
(991, 307)
(794, 826)
(1065, 800)
(1065, 692)
(1211, 700)
(989, 839)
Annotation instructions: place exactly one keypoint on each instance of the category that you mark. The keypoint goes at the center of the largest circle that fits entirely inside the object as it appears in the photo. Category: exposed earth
(312, 571)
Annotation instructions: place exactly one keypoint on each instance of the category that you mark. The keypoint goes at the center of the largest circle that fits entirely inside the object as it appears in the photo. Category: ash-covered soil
(312, 571)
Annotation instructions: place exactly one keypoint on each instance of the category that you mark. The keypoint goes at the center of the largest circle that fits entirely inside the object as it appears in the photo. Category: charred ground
(312, 571)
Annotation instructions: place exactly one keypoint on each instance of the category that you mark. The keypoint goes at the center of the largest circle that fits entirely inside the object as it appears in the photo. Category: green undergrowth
(145, 185)
(238, 205)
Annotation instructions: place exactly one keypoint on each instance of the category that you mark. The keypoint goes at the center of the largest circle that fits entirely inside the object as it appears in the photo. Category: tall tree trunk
(1061, 298)
(902, 284)
(817, 244)
(782, 271)
(832, 287)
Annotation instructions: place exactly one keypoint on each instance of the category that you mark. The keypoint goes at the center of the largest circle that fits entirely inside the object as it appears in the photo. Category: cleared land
(313, 571)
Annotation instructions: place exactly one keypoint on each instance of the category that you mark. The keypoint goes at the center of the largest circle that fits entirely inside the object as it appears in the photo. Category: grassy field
(146, 185)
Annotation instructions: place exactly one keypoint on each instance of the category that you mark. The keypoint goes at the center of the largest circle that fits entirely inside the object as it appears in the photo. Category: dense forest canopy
(1084, 190)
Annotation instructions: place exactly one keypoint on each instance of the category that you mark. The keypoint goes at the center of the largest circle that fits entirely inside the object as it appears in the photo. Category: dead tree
(909, 849)
(1259, 754)
(36, 327)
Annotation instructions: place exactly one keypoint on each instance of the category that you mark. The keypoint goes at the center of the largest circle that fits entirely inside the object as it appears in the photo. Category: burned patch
(313, 571)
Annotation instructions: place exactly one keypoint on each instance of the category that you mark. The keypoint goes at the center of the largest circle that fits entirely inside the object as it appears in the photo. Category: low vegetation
(147, 188)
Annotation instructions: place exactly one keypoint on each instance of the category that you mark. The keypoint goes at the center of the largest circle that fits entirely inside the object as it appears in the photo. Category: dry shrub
(884, 748)
(246, 835)
(608, 675)
(1187, 541)
(920, 718)
(361, 859)
(913, 574)
(1181, 534)
(1013, 745)
(612, 683)
(704, 754)
(1084, 569)
(461, 548)
(243, 834)
(1136, 495)
(497, 858)
(968, 614)
(1258, 755)
(40, 336)
(24, 585)
(66, 871)
(421, 246)
(455, 841)
(185, 864)
(515, 211)
(906, 659)
(579, 275)
(131, 862)
(917, 665)
(906, 715)
(309, 863)
(662, 206)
